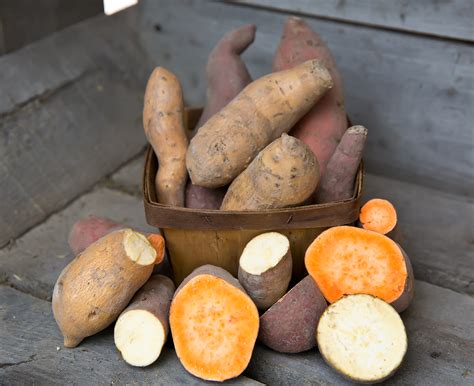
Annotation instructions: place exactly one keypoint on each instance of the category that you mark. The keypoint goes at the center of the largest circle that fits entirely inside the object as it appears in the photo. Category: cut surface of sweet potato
(362, 337)
(378, 215)
(139, 336)
(348, 260)
(214, 327)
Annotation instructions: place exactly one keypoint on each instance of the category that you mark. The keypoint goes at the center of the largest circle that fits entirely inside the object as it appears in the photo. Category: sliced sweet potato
(363, 338)
(265, 268)
(142, 328)
(289, 325)
(348, 260)
(214, 324)
(380, 216)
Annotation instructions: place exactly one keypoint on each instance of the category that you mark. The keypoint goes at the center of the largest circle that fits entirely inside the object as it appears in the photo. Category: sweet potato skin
(271, 285)
(265, 109)
(86, 231)
(337, 183)
(164, 129)
(404, 300)
(283, 174)
(289, 325)
(95, 287)
(226, 72)
(322, 128)
(198, 197)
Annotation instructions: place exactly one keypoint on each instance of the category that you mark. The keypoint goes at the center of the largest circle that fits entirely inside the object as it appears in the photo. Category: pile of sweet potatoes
(279, 141)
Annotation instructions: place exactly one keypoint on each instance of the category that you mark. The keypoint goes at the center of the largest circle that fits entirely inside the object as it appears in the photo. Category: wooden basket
(196, 237)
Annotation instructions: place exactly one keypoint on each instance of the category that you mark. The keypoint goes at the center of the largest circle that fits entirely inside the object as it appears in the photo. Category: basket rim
(308, 216)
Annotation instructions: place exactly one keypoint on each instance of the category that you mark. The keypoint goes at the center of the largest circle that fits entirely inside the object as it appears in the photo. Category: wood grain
(448, 19)
(70, 112)
(414, 93)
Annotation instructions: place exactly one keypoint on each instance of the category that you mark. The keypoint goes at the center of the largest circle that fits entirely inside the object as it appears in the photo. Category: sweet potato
(226, 72)
(380, 216)
(214, 324)
(289, 325)
(283, 174)
(142, 328)
(88, 230)
(363, 338)
(97, 285)
(227, 75)
(262, 111)
(164, 129)
(198, 197)
(322, 128)
(348, 260)
(265, 268)
(337, 183)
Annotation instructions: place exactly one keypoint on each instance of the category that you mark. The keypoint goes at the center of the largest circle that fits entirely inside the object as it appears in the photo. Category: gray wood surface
(451, 19)
(70, 112)
(31, 352)
(33, 263)
(440, 328)
(414, 93)
(26, 21)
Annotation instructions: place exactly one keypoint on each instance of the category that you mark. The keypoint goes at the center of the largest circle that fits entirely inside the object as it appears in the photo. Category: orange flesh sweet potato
(348, 260)
(337, 183)
(378, 215)
(214, 324)
(324, 125)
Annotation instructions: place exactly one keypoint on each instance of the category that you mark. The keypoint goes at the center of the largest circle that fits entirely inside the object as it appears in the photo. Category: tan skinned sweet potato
(97, 285)
(337, 183)
(265, 268)
(348, 260)
(227, 75)
(214, 324)
(142, 328)
(323, 127)
(289, 325)
(88, 230)
(262, 111)
(283, 174)
(164, 129)
(363, 338)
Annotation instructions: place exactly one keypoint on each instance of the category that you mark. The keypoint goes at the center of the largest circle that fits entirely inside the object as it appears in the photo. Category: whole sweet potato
(322, 128)
(265, 109)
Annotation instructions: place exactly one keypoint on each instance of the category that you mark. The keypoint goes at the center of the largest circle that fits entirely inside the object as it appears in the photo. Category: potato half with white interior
(363, 338)
(265, 268)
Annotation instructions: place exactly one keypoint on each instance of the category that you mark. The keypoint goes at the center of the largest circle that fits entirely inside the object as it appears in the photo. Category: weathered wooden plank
(27, 21)
(437, 230)
(451, 19)
(414, 93)
(70, 112)
(31, 352)
(440, 328)
(128, 178)
(33, 263)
